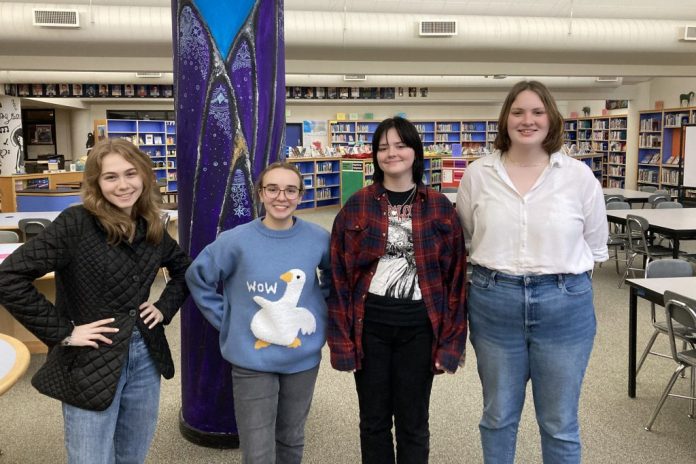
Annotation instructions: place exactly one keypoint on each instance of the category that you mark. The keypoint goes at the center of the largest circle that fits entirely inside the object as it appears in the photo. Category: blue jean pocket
(480, 279)
(577, 284)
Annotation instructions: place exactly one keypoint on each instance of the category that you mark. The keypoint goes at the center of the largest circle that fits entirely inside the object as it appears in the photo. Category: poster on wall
(10, 135)
(313, 132)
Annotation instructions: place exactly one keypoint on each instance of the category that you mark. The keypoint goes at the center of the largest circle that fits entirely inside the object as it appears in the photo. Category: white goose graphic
(278, 322)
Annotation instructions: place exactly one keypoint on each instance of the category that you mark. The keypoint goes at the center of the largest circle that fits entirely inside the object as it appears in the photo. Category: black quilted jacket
(93, 281)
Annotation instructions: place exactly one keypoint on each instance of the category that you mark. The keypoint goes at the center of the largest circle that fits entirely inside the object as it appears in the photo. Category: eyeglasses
(291, 192)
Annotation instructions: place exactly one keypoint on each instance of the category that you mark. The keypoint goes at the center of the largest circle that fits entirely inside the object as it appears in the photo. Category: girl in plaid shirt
(397, 314)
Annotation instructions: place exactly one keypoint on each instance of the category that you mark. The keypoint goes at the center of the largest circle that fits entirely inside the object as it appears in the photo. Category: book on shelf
(148, 139)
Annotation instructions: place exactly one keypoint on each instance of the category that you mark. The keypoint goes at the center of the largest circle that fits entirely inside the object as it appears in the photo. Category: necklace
(508, 160)
(394, 209)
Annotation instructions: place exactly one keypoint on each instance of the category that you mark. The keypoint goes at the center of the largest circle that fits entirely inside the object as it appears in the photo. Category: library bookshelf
(659, 146)
(356, 173)
(458, 136)
(601, 135)
(156, 138)
(321, 181)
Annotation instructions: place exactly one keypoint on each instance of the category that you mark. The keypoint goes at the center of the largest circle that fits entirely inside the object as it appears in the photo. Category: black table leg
(632, 329)
(675, 247)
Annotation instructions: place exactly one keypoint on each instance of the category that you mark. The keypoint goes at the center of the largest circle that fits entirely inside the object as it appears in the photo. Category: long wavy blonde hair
(119, 226)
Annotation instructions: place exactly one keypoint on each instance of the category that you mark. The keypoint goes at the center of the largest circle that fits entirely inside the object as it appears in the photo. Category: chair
(656, 269)
(30, 227)
(662, 192)
(668, 204)
(612, 198)
(656, 198)
(679, 311)
(8, 236)
(647, 188)
(617, 235)
(636, 230)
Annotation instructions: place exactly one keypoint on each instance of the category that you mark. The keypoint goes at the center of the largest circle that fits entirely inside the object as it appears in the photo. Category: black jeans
(395, 381)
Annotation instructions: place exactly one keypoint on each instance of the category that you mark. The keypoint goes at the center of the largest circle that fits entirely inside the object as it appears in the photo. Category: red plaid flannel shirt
(358, 240)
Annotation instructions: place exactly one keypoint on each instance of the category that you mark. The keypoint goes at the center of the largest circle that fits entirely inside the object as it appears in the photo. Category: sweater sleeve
(49, 251)
(340, 324)
(176, 291)
(203, 277)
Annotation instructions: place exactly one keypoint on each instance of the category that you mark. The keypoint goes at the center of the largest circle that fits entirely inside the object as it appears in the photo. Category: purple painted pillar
(229, 79)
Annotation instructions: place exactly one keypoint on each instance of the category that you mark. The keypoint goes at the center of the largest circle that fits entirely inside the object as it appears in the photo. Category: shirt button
(383, 234)
(131, 312)
(364, 296)
(135, 278)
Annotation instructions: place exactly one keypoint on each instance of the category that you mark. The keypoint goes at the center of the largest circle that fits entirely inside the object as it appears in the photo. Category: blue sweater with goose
(272, 311)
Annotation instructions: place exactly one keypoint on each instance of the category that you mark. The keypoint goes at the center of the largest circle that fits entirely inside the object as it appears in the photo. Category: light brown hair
(119, 226)
(278, 165)
(554, 139)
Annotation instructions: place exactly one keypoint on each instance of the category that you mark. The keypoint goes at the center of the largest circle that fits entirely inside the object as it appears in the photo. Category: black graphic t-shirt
(394, 294)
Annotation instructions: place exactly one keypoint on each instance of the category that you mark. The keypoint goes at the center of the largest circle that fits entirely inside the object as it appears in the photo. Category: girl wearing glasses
(397, 315)
(271, 315)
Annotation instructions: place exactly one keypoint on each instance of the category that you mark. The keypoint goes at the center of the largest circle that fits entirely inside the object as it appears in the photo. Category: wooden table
(630, 196)
(652, 290)
(14, 360)
(674, 223)
(8, 324)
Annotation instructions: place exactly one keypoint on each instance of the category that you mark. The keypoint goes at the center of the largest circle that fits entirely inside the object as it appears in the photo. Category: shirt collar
(557, 159)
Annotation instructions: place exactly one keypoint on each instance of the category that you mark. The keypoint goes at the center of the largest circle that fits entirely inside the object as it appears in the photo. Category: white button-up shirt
(559, 226)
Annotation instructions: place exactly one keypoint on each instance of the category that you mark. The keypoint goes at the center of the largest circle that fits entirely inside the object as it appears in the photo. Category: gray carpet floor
(612, 424)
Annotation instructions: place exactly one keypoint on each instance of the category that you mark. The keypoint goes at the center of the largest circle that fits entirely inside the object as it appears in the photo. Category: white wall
(668, 89)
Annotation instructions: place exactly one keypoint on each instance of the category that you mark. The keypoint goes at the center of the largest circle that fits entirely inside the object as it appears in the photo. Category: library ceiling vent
(690, 33)
(56, 18)
(439, 28)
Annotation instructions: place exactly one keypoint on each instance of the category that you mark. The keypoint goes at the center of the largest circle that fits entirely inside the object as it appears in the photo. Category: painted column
(11, 146)
(229, 77)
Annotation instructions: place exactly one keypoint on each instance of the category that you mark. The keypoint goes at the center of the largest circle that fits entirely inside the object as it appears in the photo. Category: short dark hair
(554, 139)
(409, 136)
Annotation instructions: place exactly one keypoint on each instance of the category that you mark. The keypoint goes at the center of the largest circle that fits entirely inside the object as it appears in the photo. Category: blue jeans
(531, 327)
(271, 410)
(121, 433)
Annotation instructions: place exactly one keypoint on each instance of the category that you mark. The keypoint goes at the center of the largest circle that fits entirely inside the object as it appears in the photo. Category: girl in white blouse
(535, 223)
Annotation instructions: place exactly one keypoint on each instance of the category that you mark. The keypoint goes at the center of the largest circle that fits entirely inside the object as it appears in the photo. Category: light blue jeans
(122, 433)
(531, 327)
(271, 410)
